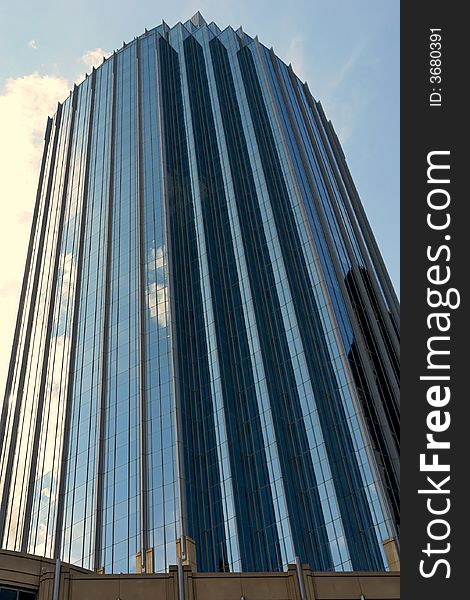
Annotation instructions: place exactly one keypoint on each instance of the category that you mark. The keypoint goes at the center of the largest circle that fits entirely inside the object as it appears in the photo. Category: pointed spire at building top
(198, 20)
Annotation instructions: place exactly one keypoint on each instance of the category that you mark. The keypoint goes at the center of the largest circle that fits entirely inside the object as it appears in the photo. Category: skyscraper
(207, 337)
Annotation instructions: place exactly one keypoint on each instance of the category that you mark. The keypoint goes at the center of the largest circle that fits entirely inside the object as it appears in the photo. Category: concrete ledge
(29, 572)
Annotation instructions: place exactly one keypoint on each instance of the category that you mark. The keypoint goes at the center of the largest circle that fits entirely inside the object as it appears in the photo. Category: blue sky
(347, 50)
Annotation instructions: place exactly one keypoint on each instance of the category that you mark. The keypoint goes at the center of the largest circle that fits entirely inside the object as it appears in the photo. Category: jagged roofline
(192, 25)
(198, 20)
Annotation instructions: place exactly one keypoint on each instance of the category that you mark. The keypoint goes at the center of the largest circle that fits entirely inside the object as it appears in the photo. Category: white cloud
(157, 303)
(91, 58)
(25, 105)
(345, 107)
(341, 95)
(296, 56)
(156, 260)
(157, 292)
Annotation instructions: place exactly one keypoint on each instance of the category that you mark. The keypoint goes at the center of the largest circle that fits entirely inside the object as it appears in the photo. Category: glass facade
(207, 337)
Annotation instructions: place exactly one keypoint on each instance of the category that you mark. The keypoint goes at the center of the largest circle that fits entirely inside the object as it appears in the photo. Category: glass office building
(207, 337)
